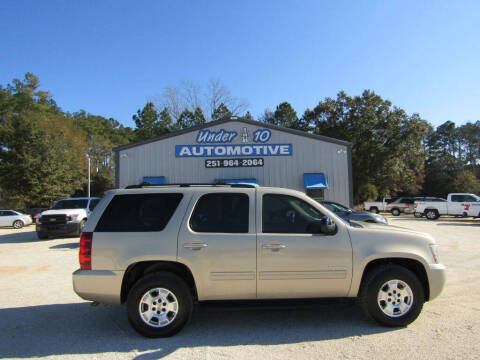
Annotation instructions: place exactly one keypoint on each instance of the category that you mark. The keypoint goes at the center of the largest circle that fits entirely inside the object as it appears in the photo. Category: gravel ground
(40, 315)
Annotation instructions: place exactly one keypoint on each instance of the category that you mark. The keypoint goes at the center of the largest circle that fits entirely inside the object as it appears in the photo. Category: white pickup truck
(455, 204)
(377, 206)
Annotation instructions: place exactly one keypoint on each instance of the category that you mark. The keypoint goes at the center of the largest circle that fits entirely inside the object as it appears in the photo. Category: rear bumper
(60, 229)
(103, 286)
(436, 278)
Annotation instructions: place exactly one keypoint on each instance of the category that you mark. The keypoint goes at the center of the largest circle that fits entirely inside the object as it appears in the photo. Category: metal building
(240, 150)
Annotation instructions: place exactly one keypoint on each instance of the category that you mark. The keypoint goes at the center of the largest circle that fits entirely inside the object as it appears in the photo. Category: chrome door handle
(274, 246)
(193, 246)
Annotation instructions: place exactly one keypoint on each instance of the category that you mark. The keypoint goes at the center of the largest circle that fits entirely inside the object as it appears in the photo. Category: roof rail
(151, 185)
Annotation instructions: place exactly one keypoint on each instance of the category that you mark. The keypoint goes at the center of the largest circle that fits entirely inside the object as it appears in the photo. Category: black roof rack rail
(146, 185)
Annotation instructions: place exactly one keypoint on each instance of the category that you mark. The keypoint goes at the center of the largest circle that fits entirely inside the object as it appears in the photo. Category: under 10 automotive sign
(219, 144)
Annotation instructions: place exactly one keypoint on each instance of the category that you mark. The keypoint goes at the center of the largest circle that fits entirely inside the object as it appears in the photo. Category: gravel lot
(40, 315)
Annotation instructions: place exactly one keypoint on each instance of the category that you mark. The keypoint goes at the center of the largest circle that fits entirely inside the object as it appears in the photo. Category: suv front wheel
(159, 305)
(392, 296)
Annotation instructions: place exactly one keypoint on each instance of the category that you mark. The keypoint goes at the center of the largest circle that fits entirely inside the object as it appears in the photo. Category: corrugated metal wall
(309, 156)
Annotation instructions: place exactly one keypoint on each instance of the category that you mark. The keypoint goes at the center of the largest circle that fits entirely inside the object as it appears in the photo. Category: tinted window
(287, 214)
(70, 204)
(93, 203)
(138, 212)
(457, 198)
(469, 198)
(221, 213)
(9, 213)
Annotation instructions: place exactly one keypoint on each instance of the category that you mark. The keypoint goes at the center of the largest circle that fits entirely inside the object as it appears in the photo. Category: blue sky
(110, 57)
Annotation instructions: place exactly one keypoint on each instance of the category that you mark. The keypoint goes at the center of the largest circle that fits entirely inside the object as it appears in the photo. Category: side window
(93, 203)
(221, 213)
(138, 212)
(287, 214)
(9, 213)
(457, 198)
(469, 198)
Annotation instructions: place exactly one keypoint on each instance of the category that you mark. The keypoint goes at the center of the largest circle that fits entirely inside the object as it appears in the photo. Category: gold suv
(161, 249)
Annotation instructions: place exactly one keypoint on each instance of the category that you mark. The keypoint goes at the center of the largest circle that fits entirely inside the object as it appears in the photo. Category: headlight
(435, 253)
(72, 217)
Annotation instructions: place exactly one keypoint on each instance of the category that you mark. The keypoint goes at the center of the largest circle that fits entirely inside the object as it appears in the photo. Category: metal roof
(226, 120)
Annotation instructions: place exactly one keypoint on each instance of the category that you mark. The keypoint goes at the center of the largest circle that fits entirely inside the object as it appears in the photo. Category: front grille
(60, 219)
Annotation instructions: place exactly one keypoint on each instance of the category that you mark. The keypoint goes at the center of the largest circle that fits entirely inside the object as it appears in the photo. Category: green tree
(467, 182)
(387, 149)
(221, 112)
(42, 153)
(149, 123)
(189, 119)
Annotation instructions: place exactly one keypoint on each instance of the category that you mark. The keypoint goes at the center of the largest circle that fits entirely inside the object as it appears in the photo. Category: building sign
(225, 163)
(219, 144)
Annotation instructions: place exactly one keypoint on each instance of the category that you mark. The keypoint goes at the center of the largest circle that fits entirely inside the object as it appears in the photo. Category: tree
(150, 123)
(285, 116)
(467, 182)
(248, 116)
(190, 96)
(188, 119)
(387, 149)
(221, 112)
(42, 151)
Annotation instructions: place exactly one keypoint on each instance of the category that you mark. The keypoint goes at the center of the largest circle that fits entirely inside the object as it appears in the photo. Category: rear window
(138, 212)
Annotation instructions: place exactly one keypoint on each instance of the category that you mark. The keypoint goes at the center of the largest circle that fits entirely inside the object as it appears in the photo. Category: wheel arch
(413, 265)
(137, 270)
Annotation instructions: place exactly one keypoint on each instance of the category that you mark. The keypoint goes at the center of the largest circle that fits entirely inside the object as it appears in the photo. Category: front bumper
(58, 229)
(103, 286)
(436, 277)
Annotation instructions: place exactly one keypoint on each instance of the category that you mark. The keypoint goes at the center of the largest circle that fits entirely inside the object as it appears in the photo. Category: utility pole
(88, 157)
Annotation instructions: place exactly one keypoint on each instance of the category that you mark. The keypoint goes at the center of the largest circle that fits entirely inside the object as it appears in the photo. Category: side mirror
(324, 226)
(328, 226)
(349, 211)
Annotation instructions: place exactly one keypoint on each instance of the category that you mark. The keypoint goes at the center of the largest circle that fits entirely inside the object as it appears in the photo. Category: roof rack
(151, 185)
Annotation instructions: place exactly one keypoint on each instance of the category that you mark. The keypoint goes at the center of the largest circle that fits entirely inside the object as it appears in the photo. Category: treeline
(43, 149)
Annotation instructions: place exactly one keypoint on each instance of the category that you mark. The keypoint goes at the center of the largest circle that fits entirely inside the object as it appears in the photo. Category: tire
(417, 214)
(174, 290)
(17, 224)
(374, 210)
(395, 212)
(377, 293)
(432, 214)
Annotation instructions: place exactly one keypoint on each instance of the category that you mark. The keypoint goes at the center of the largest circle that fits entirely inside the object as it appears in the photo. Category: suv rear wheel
(395, 212)
(374, 210)
(159, 305)
(392, 296)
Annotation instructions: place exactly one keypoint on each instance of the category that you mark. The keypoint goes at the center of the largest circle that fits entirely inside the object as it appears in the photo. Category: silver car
(161, 249)
(14, 218)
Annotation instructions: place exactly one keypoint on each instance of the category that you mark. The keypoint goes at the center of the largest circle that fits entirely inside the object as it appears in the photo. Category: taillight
(407, 206)
(85, 252)
(466, 207)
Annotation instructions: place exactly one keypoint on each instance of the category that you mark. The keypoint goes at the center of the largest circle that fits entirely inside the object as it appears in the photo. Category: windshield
(70, 204)
(334, 207)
